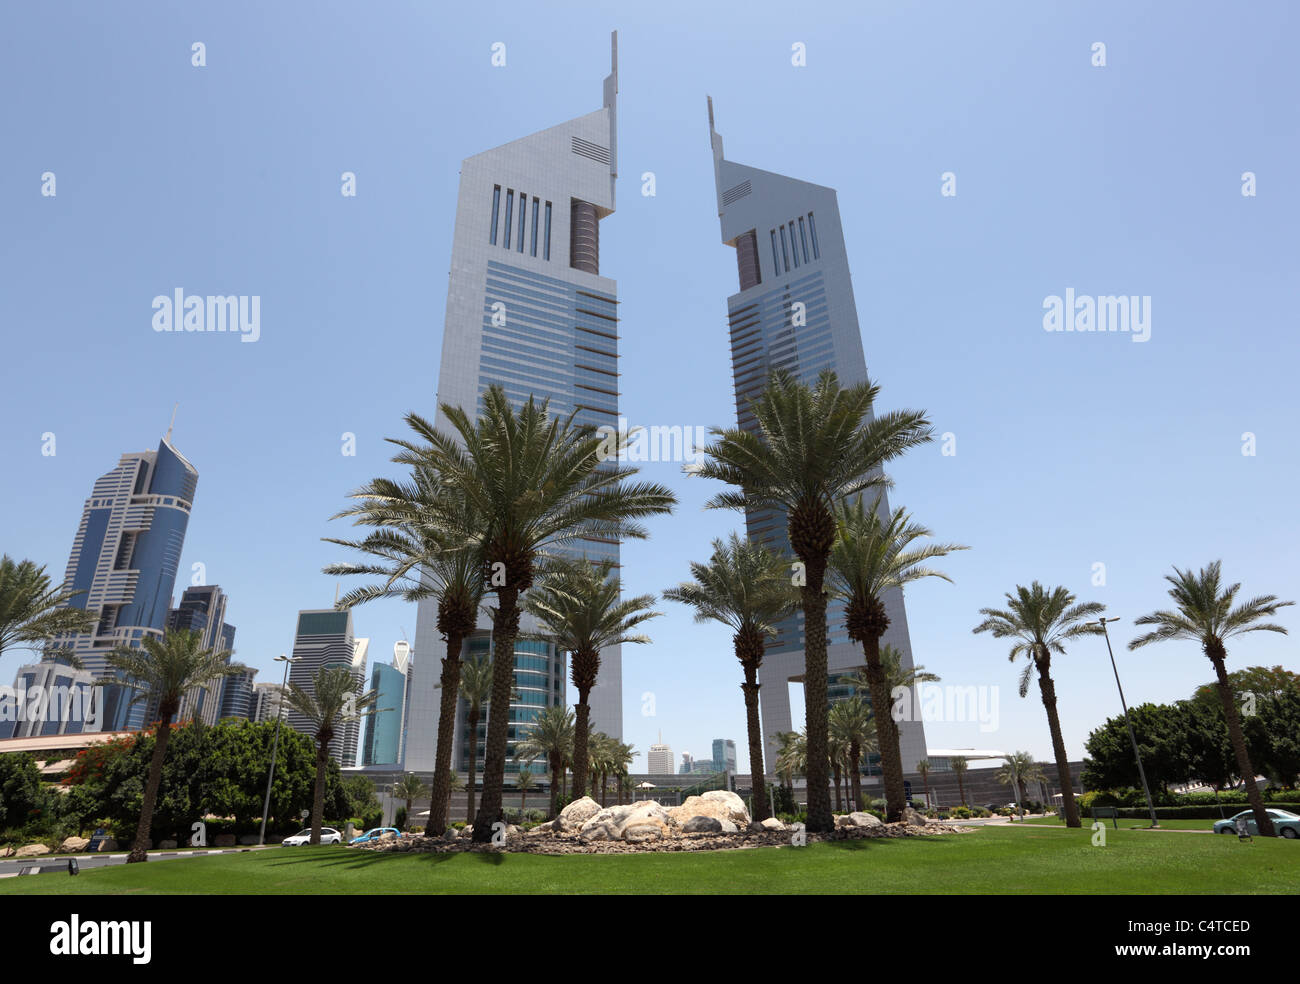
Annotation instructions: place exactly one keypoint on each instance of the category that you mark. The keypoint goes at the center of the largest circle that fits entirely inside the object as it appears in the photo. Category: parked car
(328, 835)
(1285, 823)
(375, 833)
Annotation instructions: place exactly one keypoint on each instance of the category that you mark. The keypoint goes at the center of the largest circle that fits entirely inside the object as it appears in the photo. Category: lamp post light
(275, 745)
(1146, 790)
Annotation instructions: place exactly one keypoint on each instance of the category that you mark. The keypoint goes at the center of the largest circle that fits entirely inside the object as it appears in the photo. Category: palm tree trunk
(1048, 690)
(757, 774)
(929, 802)
(523, 800)
(446, 734)
(855, 774)
(472, 724)
(1262, 821)
(581, 731)
(891, 760)
(820, 818)
(139, 850)
(506, 629)
(318, 798)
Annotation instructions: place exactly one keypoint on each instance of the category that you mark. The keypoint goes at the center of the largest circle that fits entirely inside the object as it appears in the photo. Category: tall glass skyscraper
(124, 559)
(794, 311)
(202, 609)
(527, 308)
(325, 639)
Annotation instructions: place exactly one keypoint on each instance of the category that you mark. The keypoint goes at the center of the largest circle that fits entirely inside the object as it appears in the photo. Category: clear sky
(1071, 449)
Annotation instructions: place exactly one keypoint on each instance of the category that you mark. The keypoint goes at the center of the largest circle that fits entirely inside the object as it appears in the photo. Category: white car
(328, 835)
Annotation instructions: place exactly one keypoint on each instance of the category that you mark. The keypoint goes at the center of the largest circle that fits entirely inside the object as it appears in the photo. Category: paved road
(11, 867)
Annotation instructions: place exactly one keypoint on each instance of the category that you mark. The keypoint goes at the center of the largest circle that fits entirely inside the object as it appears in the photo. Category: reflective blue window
(496, 207)
(785, 253)
(510, 201)
(535, 205)
(812, 231)
(803, 239)
(523, 214)
(776, 263)
(794, 246)
(547, 247)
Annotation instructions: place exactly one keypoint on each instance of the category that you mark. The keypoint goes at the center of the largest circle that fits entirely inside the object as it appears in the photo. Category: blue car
(1285, 823)
(374, 835)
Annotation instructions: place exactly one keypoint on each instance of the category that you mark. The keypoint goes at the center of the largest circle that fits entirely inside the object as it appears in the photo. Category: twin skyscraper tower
(528, 308)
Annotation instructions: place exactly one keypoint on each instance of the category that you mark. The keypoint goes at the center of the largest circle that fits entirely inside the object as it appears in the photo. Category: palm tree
(812, 447)
(541, 484)
(1205, 614)
(31, 612)
(792, 755)
(422, 556)
(475, 688)
(747, 588)
(923, 769)
(523, 782)
(410, 788)
(332, 701)
(850, 724)
(896, 678)
(1020, 768)
(551, 734)
(958, 765)
(161, 671)
(578, 602)
(622, 759)
(1041, 622)
(873, 555)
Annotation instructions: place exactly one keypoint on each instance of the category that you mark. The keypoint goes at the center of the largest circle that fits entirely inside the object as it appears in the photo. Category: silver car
(328, 835)
(1285, 823)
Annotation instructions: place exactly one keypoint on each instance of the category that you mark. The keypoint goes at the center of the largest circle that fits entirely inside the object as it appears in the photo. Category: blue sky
(1072, 449)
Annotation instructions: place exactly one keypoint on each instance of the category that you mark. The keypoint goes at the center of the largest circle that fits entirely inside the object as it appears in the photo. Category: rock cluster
(717, 820)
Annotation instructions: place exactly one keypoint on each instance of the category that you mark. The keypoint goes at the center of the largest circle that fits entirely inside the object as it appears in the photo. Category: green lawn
(997, 861)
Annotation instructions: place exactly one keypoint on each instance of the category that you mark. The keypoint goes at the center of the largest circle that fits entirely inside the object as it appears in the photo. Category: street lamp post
(275, 745)
(1146, 790)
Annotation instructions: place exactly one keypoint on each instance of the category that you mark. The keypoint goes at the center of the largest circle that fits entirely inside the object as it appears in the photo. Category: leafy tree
(361, 800)
(541, 485)
(747, 588)
(812, 447)
(32, 612)
(23, 795)
(1205, 614)
(1157, 728)
(1042, 622)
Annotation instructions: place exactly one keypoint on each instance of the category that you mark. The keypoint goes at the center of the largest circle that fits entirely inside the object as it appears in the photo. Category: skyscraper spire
(168, 438)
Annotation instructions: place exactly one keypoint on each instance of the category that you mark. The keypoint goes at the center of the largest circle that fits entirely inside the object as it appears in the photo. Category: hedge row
(1194, 812)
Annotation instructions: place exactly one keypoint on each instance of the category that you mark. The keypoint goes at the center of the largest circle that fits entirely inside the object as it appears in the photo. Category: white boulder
(580, 811)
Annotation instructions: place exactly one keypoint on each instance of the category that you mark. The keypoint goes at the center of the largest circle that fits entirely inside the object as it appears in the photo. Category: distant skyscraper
(237, 695)
(724, 755)
(794, 311)
(688, 764)
(267, 703)
(202, 609)
(528, 308)
(50, 698)
(124, 559)
(384, 729)
(324, 638)
(659, 760)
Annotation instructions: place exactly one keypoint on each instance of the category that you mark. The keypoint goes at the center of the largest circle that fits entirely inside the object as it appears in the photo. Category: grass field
(990, 861)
